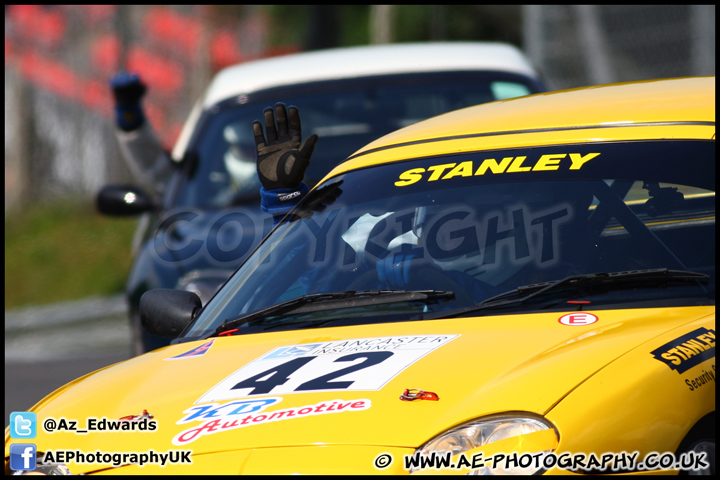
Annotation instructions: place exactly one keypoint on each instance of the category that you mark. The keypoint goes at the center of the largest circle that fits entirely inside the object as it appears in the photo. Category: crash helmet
(239, 158)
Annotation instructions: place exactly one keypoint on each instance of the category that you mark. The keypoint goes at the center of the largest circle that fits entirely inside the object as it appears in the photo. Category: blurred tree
(354, 21)
(458, 22)
(315, 27)
(288, 24)
(323, 27)
(318, 26)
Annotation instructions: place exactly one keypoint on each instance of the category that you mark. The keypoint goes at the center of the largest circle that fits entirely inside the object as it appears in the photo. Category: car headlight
(509, 434)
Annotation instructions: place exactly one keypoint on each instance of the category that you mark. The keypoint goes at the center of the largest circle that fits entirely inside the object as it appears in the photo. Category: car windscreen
(346, 115)
(483, 224)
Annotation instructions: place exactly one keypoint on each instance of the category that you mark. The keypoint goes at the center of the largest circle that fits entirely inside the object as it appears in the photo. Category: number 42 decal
(265, 381)
(348, 365)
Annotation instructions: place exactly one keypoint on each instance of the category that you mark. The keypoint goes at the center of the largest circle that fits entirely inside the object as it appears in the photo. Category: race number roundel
(578, 319)
(359, 364)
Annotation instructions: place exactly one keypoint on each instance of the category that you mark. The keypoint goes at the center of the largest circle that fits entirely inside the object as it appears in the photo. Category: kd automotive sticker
(578, 319)
(687, 351)
(345, 365)
(216, 417)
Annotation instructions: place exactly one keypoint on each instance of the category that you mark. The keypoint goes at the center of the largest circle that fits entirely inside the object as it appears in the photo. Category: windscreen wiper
(335, 300)
(632, 278)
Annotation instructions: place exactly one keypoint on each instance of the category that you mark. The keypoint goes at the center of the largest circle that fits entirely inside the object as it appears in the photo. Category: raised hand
(281, 158)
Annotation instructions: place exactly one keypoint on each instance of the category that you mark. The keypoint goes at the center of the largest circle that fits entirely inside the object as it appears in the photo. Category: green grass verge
(64, 251)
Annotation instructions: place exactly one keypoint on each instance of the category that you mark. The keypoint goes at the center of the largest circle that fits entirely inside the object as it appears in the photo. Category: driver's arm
(282, 159)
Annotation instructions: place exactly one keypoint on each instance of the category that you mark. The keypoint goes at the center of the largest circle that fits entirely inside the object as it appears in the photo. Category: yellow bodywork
(527, 363)
(599, 385)
(620, 112)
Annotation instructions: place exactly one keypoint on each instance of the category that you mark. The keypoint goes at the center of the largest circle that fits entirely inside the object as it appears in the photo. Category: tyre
(701, 438)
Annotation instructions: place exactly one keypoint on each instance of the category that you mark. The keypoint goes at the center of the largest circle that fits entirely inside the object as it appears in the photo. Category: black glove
(281, 160)
(128, 90)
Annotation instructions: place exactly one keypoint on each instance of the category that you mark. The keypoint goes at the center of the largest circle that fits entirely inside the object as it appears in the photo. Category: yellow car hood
(476, 366)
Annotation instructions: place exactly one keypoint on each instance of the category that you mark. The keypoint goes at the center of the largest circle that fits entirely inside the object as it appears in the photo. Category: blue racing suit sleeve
(280, 201)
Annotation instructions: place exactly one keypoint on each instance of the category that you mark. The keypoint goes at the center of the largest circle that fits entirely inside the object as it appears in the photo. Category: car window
(346, 116)
(470, 225)
(482, 224)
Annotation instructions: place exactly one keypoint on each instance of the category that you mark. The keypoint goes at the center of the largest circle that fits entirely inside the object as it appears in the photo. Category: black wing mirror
(124, 200)
(166, 312)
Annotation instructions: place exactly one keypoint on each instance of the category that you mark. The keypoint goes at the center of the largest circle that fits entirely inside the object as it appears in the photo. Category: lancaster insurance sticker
(343, 365)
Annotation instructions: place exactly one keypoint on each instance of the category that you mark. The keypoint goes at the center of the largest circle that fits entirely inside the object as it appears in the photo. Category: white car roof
(351, 62)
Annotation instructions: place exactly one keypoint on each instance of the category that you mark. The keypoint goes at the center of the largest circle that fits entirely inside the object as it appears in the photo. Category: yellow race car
(525, 286)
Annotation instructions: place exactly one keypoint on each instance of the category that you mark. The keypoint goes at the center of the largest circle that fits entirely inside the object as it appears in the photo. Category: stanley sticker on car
(551, 162)
(687, 351)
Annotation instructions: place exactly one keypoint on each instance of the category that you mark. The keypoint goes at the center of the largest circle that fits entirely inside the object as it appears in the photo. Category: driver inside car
(239, 179)
(439, 241)
(384, 244)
